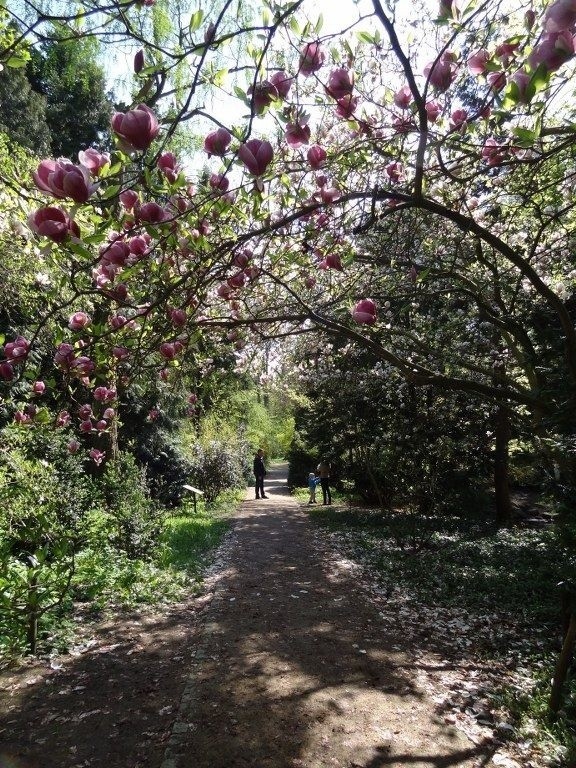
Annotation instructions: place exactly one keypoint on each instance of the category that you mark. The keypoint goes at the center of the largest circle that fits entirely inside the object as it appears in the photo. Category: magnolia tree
(338, 169)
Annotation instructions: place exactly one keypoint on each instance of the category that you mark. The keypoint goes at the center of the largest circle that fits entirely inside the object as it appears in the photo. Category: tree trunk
(562, 666)
(501, 479)
(32, 613)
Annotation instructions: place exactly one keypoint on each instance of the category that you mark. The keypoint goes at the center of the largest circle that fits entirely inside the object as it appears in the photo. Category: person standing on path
(312, 483)
(259, 473)
(323, 470)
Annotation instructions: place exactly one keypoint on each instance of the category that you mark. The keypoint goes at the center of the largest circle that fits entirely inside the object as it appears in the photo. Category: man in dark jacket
(259, 472)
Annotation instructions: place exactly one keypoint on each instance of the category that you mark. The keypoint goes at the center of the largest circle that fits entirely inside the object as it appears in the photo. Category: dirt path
(296, 668)
(283, 662)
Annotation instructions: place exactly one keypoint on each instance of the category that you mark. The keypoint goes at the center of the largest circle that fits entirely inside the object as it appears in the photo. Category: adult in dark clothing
(259, 472)
(323, 470)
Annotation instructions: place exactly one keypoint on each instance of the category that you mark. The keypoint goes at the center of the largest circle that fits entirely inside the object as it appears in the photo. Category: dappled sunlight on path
(295, 667)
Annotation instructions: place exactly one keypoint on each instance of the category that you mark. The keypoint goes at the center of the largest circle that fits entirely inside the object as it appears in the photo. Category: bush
(134, 518)
(215, 467)
(44, 497)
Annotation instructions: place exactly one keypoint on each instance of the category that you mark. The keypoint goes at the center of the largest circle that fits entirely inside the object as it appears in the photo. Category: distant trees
(57, 102)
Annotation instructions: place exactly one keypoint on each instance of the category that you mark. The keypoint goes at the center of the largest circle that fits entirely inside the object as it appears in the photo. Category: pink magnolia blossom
(333, 261)
(64, 355)
(441, 73)
(496, 80)
(252, 272)
(153, 213)
(82, 366)
(93, 160)
(493, 153)
(395, 171)
(224, 291)
(139, 245)
(6, 371)
(560, 16)
(16, 351)
(256, 155)
(340, 83)
(316, 156)
(101, 425)
(329, 195)
(61, 178)
(282, 82)
(506, 51)
(242, 258)
(167, 350)
(135, 129)
(477, 63)
(22, 418)
(521, 80)
(168, 165)
(96, 455)
(365, 312)
(297, 135)
(403, 98)
(116, 253)
(153, 414)
(402, 124)
(554, 50)
(263, 94)
(346, 106)
(129, 198)
(38, 387)
(529, 19)
(109, 413)
(237, 280)
(63, 419)
(433, 110)
(101, 394)
(458, 120)
(219, 181)
(73, 446)
(78, 321)
(53, 223)
(121, 353)
(178, 317)
(139, 61)
(217, 142)
(312, 58)
(309, 282)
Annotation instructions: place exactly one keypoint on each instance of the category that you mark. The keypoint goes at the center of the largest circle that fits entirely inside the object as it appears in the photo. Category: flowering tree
(417, 151)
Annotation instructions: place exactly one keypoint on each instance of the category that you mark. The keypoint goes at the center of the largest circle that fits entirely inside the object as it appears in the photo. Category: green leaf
(540, 78)
(18, 60)
(366, 37)
(219, 77)
(525, 136)
(80, 250)
(111, 191)
(196, 20)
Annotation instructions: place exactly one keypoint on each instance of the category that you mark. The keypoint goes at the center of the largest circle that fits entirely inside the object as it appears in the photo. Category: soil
(283, 661)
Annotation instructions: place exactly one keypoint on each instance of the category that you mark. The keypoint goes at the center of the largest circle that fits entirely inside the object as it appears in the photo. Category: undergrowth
(468, 563)
(107, 581)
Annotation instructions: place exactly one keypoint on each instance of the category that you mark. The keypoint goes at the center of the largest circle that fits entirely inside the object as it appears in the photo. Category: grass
(106, 581)
(467, 563)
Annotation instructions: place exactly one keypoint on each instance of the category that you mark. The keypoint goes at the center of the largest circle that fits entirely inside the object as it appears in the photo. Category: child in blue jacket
(312, 483)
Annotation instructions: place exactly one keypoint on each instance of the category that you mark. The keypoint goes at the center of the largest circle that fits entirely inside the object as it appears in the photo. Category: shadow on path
(295, 667)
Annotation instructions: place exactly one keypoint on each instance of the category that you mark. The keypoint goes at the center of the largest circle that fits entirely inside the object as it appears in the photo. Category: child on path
(312, 483)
